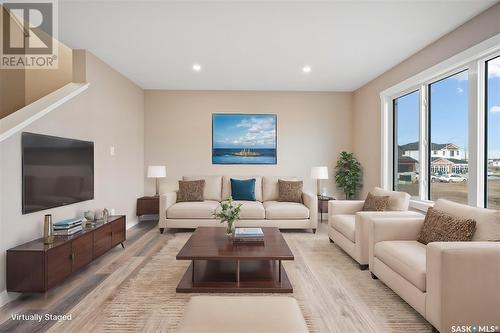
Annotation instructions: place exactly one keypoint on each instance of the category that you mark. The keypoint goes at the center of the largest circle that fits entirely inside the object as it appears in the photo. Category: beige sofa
(448, 283)
(266, 211)
(348, 225)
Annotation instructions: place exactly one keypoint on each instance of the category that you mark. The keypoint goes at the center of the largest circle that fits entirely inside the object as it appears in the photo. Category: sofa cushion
(192, 210)
(375, 203)
(407, 258)
(190, 190)
(487, 220)
(345, 224)
(290, 191)
(251, 210)
(213, 186)
(276, 210)
(443, 227)
(243, 189)
(397, 200)
(270, 190)
(226, 186)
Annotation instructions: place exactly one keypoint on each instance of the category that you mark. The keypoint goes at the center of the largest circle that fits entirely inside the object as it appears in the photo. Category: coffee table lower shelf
(221, 276)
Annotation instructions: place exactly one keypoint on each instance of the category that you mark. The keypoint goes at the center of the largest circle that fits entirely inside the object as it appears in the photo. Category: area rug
(334, 295)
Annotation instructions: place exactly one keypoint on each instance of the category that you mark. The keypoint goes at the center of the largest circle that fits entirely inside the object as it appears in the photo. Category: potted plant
(228, 213)
(348, 174)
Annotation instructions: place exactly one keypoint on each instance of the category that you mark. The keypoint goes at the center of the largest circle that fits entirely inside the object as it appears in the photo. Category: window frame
(486, 113)
(394, 140)
(474, 60)
(428, 110)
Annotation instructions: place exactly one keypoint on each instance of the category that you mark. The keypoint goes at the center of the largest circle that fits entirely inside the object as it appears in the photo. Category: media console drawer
(37, 267)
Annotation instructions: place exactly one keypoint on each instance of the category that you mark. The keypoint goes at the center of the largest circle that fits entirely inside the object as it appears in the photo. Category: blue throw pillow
(243, 189)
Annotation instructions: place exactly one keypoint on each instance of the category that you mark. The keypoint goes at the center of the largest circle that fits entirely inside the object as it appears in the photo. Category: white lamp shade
(157, 171)
(320, 172)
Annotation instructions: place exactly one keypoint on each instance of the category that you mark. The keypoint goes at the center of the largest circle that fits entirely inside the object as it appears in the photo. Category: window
(493, 133)
(455, 125)
(406, 143)
(448, 110)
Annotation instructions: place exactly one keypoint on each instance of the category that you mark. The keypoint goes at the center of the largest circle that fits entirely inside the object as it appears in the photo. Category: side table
(148, 205)
(323, 205)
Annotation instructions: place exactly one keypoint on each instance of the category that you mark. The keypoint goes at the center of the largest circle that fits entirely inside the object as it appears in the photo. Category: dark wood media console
(37, 267)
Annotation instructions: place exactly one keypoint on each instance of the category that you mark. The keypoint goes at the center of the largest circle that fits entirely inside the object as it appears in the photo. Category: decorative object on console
(440, 226)
(348, 174)
(105, 214)
(229, 214)
(319, 173)
(243, 189)
(374, 203)
(235, 139)
(290, 190)
(157, 172)
(190, 190)
(67, 227)
(48, 237)
(89, 215)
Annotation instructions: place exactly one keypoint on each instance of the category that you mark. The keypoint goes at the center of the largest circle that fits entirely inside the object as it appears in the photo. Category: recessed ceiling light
(196, 67)
(306, 69)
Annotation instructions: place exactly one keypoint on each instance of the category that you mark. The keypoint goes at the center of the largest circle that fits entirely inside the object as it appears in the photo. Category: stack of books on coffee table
(250, 235)
(67, 227)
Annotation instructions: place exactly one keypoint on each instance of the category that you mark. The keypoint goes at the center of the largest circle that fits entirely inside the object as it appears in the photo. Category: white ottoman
(243, 314)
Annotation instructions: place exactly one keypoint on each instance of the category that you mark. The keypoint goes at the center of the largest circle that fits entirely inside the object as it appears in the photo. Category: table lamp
(157, 172)
(318, 173)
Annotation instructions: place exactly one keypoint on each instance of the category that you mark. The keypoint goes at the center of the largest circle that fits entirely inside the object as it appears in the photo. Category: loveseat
(348, 224)
(451, 284)
(266, 211)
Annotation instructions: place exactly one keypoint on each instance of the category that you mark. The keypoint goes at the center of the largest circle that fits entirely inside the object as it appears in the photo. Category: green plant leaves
(348, 174)
(228, 213)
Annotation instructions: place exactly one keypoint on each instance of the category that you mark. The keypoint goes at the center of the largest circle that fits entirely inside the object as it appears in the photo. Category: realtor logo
(28, 40)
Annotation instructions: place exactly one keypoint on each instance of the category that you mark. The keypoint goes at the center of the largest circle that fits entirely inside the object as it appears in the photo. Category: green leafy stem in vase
(229, 213)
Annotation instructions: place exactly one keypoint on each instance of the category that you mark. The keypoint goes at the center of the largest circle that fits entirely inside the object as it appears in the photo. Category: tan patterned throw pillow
(290, 191)
(442, 227)
(374, 203)
(191, 190)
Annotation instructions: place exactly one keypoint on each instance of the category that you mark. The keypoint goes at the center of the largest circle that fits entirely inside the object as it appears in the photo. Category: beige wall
(19, 88)
(312, 130)
(110, 113)
(366, 100)
(41, 82)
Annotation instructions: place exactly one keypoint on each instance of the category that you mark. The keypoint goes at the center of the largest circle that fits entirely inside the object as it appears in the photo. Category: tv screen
(56, 171)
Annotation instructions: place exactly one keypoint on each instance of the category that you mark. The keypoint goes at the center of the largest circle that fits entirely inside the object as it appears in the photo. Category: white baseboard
(6, 297)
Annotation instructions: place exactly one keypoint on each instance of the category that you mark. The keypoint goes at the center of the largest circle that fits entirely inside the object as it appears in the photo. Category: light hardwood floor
(112, 292)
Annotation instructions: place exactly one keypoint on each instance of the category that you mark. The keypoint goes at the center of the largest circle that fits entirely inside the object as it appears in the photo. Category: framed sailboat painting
(243, 138)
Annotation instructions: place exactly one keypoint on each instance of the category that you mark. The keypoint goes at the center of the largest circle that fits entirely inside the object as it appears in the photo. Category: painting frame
(267, 156)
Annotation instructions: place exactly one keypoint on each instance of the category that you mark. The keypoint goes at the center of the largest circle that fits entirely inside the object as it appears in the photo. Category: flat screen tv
(56, 171)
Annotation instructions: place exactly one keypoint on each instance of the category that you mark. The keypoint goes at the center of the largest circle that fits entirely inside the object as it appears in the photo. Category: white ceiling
(260, 45)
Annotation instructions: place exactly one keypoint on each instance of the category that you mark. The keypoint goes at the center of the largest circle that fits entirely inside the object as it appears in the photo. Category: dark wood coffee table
(219, 265)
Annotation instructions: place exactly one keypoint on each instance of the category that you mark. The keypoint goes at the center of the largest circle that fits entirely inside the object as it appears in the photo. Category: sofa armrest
(362, 228)
(166, 200)
(311, 201)
(462, 284)
(392, 228)
(344, 207)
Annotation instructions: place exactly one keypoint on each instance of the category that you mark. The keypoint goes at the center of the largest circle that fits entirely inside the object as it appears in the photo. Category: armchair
(348, 226)
(448, 283)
